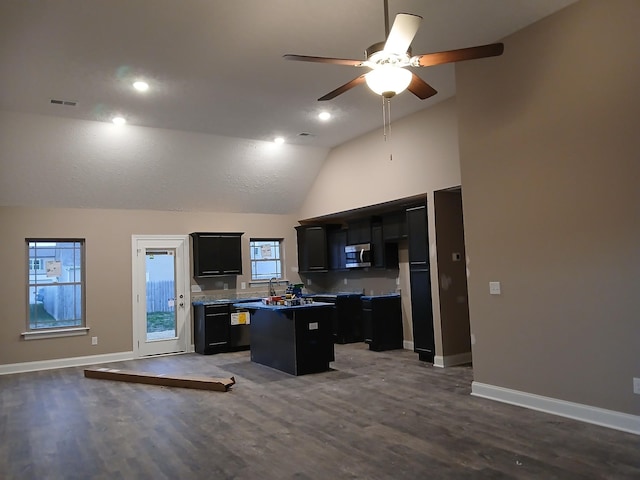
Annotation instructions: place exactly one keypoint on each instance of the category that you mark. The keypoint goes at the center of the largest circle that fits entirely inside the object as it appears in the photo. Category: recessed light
(141, 86)
(278, 140)
(324, 116)
(119, 120)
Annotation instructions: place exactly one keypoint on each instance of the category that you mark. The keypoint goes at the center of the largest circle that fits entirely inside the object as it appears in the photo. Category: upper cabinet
(359, 231)
(312, 248)
(216, 254)
(337, 239)
(394, 225)
(418, 238)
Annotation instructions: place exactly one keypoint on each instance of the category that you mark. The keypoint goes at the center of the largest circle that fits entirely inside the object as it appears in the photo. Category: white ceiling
(216, 66)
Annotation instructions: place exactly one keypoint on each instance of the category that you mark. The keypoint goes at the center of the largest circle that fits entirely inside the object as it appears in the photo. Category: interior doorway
(161, 312)
(452, 279)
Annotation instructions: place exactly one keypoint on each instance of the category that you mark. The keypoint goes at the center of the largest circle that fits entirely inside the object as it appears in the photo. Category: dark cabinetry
(394, 225)
(214, 331)
(346, 316)
(420, 279)
(211, 328)
(382, 322)
(216, 254)
(312, 248)
(385, 254)
(337, 239)
(417, 233)
(359, 231)
(293, 340)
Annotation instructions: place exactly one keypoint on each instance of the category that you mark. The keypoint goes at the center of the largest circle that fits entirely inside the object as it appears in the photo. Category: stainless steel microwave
(358, 255)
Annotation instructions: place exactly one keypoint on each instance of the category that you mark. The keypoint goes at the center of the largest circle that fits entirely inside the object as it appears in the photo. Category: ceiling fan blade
(347, 86)
(404, 28)
(337, 61)
(430, 59)
(420, 88)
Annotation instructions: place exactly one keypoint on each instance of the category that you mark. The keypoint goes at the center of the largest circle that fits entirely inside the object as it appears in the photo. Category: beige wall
(549, 150)
(108, 268)
(452, 274)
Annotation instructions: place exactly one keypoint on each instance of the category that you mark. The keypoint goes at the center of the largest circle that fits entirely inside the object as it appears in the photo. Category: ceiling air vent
(68, 103)
(306, 134)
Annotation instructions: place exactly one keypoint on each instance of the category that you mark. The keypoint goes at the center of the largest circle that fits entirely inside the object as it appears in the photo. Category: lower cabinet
(346, 317)
(211, 328)
(422, 314)
(382, 322)
(215, 332)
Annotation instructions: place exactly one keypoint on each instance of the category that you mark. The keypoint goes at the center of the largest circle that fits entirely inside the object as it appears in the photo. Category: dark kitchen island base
(296, 340)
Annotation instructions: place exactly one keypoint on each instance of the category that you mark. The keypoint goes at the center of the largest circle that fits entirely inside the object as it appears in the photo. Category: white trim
(64, 362)
(58, 332)
(577, 411)
(407, 345)
(451, 360)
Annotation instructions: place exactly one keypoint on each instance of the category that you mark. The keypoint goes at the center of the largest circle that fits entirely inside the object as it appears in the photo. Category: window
(55, 292)
(266, 259)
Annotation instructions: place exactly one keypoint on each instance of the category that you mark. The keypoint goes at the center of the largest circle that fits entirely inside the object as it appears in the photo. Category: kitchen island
(293, 339)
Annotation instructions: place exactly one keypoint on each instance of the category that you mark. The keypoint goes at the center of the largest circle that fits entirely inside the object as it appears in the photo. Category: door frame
(138, 290)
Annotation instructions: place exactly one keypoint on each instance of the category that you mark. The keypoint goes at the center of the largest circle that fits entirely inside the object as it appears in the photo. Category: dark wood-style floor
(375, 416)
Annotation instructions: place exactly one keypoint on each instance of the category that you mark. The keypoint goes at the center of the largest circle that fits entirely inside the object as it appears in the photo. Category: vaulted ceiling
(219, 92)
(216, 66)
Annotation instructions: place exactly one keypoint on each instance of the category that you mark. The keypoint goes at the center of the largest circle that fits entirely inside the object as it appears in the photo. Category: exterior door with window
(160, 297)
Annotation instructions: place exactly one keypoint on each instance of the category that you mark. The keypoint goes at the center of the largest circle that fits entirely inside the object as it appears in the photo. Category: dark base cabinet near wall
(213, 329)
(382, 322)
(420, 279)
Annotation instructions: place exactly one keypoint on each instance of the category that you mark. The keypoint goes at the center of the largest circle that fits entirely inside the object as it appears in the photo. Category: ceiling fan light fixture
(388, 80)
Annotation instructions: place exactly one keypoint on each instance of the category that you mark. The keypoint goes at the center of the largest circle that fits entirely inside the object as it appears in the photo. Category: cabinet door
(211, 332)
(359, 231)
(418, 239)
(312, 248)
(337, 241)
(230, 248)
(394, 225)
(422, 314)
(377, 245)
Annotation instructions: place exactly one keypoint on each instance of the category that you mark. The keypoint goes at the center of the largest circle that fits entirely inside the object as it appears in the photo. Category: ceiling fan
(388, 60)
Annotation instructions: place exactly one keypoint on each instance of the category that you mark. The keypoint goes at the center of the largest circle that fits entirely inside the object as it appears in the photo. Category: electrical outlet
(345, 281)
(243, 285)
(309, 282)
(494, 288)
(225, 286)
(94, 340)
(636, 386)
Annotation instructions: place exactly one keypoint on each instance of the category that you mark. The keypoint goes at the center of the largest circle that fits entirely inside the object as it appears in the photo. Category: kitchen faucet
(272, 291)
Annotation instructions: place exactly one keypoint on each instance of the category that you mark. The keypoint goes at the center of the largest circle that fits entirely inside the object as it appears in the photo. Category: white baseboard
(451, 360)
(407, 345)
(577, 411)
(64, 362)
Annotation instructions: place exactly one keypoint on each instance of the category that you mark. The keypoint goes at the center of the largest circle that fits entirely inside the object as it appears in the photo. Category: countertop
(262, 306)
(385, 295)
(224, 301)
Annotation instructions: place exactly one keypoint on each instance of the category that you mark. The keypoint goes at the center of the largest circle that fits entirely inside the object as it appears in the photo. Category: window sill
(60, 332)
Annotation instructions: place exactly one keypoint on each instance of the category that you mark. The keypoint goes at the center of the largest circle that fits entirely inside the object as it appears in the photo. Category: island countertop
(277, 308)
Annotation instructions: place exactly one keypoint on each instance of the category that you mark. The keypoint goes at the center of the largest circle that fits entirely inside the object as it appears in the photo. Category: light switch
(494, 288)
(456, 257)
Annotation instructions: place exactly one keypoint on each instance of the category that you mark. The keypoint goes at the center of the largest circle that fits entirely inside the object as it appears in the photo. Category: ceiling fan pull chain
(384, 120)
(388, 101)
